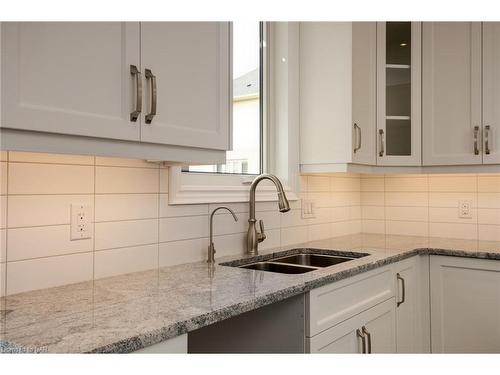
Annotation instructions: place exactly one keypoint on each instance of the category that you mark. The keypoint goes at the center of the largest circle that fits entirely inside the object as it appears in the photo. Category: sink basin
(313, 260)
(297, 261)
(277, 267)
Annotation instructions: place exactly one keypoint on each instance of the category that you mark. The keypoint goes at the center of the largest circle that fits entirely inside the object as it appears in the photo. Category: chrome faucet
(254, 236)
(211, 247)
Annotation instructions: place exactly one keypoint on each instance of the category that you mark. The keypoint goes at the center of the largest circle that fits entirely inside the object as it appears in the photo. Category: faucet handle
(262, 235)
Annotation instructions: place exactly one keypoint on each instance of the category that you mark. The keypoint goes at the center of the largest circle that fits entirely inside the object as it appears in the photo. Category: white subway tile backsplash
(3, 178)
(122, 162)
(31, 178)
(3, 211)
(183, 228)
(488, 216)
(319, 231)
(488, 184)
(345, 184)
(405, 214)
(373, 226)
(405, 183)
(453, 183)
(3, 155)
(186, 251)
(294, 235)
(369, 198)
(35, 157)
(450, 215)
(3, 276)
(167, 210)
(488, 200)
(464, 231)
(164, 180)
(489, 232)
(114, 207)
(126, 180)
(373, 213)
(114, 234)
(409, 228)
(231, 244)
(450, 199)
(49, 272)
(43, 209)
(318, 183)
(125, 260)
(3, 245)
(36, 242)
(407, 199)
(343, 228)
(372, 184)
(273, 240)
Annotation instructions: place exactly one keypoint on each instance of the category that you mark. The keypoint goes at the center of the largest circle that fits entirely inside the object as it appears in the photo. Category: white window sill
(198, 188)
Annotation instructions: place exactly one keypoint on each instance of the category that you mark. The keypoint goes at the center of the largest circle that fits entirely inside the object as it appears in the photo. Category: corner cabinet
(130, 89)
(465, 305)
(398, 93)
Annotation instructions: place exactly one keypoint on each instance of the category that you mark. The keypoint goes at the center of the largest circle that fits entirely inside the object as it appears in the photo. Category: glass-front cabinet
(399, 93)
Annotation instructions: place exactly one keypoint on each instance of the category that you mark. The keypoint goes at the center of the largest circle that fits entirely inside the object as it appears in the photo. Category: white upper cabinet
(325, 93)
(189, 63)
(70, 78)
(491, 93)
(164, 87)
(399, 93)
(451, 92)
(364, 84)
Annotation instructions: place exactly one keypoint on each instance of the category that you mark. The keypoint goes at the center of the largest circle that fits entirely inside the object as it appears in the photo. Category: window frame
(279, 134)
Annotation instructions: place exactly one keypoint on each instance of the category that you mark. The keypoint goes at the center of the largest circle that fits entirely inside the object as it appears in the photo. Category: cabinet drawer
(379, 321)
(334, 303)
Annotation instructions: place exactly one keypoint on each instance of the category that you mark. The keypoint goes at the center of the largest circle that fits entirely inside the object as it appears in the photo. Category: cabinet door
(70, 78)
(451, 93)
(399, 93)
(364, 81)
(465, 305)
(491, 92)
(379, 322)
(191, 65)
(412, 305)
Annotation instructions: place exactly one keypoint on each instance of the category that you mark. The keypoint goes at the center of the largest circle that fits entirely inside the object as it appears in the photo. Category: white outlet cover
(308, 209)
(465, 209)
(80, 221)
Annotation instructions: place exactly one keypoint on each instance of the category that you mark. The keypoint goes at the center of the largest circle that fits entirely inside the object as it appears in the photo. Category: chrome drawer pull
(138, 93)
(149, 75)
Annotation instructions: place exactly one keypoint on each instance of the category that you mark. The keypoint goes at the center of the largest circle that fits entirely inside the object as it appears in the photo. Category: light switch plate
(308, 209)
(80, 222)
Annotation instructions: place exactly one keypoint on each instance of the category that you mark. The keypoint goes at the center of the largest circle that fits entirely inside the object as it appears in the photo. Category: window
(246, 156)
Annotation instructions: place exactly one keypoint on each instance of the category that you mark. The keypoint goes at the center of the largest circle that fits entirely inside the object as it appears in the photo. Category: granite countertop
(128, 312)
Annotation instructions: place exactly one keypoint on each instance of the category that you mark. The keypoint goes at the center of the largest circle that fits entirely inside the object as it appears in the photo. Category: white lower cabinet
(412, 305)
(380, 311)
(465, 305)
(372, 331)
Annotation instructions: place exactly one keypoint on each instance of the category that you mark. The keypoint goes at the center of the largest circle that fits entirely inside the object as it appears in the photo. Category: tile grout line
(6, 230)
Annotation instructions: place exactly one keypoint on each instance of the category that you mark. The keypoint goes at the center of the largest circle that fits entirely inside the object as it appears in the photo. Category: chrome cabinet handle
(381, 138)
(138, 93)
(487, 139)
(403, 290)
(368, 339)
(476, 133)
(363, 340)
(149, 75)
(357, 132)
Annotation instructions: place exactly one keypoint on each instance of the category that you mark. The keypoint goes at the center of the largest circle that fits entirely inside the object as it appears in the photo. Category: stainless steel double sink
(301, 263)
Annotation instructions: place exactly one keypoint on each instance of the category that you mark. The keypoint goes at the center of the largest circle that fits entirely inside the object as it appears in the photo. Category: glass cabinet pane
(398, 92)
(398, 89)
(398, 137)
(398, 43)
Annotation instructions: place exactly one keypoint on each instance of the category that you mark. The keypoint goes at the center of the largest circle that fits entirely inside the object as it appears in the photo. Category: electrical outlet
(308, 209)
(465, 209)
(80, 221)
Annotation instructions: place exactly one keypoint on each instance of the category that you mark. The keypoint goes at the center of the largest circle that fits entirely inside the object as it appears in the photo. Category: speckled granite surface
(129, 312)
